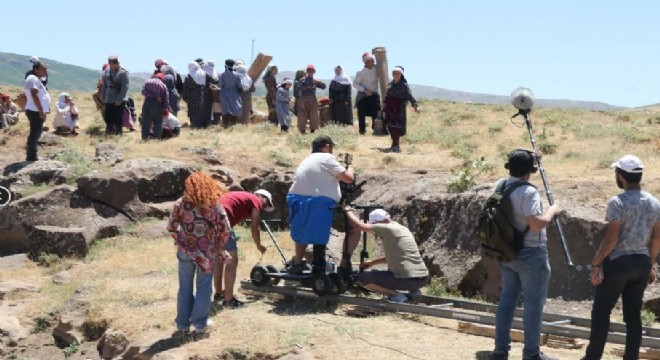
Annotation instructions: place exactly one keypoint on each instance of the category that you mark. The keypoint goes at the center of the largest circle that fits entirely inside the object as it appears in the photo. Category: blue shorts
(231, 243)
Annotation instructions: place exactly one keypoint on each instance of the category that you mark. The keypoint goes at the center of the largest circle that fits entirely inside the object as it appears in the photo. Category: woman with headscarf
(193, 94)
(200, 228)
(169, 78)
(394, 106)
(214, 91)
(340, 98)
(230, 94)
(296, 89)
(283, 106)
(66, 115)
(248, 88)
(270, 81)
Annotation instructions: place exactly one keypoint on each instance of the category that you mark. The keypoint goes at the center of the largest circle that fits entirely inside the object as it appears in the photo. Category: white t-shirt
(317, 176)
(33, 82)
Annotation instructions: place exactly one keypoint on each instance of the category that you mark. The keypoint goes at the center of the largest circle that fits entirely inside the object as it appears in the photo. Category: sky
(591, 50)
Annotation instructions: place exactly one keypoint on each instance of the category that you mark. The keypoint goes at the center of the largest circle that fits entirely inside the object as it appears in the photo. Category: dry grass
(135, 281)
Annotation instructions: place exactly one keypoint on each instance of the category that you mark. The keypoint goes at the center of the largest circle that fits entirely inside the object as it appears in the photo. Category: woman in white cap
(394, 106)
(66, 115)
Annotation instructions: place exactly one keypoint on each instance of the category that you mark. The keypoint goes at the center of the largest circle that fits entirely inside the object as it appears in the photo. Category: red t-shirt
(239, 205)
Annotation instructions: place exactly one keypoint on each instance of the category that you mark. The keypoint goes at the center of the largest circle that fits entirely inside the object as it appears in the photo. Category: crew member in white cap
(623, 265)
(405, 268)
(240, 206)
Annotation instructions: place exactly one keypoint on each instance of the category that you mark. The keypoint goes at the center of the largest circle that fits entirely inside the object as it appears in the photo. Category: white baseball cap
(267, 195)
(378, 215)
(630, 164)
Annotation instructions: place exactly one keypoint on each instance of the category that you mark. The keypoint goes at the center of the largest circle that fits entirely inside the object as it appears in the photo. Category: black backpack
(499, 238)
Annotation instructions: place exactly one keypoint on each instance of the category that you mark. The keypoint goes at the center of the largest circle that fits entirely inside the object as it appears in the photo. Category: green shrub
(548, 148)
(48, 260)
(466, 175)
(494, 129)
(80, 164)
(437, 286)
(648, 317)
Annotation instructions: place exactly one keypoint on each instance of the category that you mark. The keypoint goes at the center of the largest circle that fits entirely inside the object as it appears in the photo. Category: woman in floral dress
(200, 228)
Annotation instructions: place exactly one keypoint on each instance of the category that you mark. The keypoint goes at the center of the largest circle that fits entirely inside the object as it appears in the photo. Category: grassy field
(134, 278)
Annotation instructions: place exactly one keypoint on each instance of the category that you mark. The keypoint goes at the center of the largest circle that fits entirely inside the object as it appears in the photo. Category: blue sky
(582, 50)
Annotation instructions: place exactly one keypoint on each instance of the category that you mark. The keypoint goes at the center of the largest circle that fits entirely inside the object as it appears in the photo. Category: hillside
(76, 78)
(61, 76)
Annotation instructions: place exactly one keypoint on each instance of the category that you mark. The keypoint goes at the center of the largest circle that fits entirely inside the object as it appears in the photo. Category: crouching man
(405, 268)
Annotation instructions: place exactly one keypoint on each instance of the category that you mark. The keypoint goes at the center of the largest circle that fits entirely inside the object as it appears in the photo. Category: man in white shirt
(367, 100)
(311, 201)
(36, 108)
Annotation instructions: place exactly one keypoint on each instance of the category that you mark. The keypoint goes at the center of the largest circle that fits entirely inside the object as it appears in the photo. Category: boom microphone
(523, 99)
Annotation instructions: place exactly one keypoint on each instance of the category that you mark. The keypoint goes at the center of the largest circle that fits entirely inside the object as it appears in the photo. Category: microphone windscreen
(522, 98)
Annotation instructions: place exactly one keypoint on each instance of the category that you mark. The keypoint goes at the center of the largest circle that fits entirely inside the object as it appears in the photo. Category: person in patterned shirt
(623, 265)
(200, 228)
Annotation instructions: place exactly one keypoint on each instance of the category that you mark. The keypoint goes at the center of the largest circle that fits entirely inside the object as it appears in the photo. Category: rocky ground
(65, 214)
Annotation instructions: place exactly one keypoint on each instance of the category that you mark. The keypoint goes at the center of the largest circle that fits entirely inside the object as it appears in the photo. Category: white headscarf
(246, 81)
(209, 68)
(61, 100)
(343, 79)
(196, 73)
(166, 69)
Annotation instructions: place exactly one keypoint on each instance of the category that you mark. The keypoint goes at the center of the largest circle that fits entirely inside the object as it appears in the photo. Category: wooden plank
(489, 331)
(644, 353)
(258, 66)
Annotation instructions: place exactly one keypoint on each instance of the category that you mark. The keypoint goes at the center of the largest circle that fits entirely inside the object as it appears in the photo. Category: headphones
(530, 160)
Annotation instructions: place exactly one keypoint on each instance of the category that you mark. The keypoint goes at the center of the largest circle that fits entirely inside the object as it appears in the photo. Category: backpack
(499, 238)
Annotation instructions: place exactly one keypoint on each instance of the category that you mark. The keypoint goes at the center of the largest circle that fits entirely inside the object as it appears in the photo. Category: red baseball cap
(311, 67)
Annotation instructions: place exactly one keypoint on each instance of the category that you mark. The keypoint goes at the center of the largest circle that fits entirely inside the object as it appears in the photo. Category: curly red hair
(202, 190)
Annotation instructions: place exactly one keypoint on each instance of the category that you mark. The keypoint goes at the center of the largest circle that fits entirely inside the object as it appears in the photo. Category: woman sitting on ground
(66, 115)
(200, 228)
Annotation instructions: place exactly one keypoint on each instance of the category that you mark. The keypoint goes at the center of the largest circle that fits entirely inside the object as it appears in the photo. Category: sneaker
(499, 356)
(181, 336)
(297, 269)
(398, 298)
(414, 296)
(233, 303)
(542, 356)
(199, 335)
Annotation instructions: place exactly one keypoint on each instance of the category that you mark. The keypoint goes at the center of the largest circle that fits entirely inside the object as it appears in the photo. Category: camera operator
(405, 268)
(311, 200)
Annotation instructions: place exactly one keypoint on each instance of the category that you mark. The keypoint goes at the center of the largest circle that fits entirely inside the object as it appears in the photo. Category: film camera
(348, 190)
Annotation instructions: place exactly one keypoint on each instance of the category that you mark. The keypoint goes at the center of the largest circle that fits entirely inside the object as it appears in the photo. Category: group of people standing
(392, 109)
(622, 266)
(214, 98)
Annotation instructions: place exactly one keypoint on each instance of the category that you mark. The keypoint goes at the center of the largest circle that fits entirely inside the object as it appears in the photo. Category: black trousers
(368, 106)
(36, 128)
(114, 118)
(625, 276)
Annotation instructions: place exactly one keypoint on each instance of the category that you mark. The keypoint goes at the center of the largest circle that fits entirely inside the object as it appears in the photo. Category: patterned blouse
(200, 233)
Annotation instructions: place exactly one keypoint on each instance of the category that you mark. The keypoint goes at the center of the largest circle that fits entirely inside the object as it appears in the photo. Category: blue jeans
(231, 244)
(528, 274)
(192, 308)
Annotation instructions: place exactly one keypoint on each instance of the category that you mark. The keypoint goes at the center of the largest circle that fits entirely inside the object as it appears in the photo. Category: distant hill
(61, 76)
(76, 78)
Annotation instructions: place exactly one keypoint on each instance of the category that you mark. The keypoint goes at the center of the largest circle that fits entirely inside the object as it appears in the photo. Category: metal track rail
(553, 324)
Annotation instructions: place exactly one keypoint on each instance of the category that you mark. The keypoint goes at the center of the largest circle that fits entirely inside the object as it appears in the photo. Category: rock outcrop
(51, 220)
